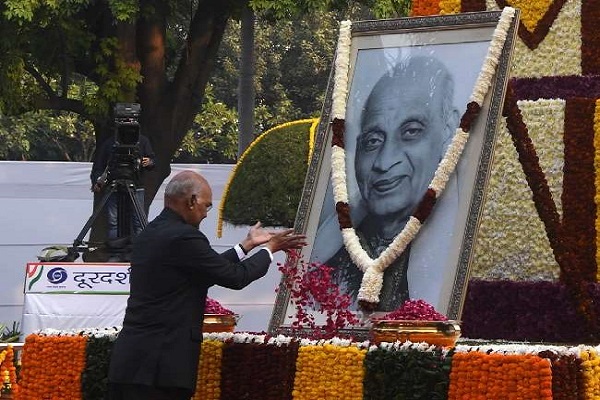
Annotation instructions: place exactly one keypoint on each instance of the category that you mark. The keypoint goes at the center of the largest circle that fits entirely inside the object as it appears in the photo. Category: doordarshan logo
(57, 275)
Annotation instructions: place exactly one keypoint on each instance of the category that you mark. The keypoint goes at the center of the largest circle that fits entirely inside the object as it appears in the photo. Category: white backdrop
(47, 203)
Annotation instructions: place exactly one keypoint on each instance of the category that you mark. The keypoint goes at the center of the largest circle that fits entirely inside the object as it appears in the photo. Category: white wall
(47, 203)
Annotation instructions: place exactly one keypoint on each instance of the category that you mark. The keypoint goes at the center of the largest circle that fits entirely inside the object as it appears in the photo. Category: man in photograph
(406, 125)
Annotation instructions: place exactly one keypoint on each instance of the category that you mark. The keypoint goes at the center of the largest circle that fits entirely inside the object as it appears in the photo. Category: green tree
(292, 64)
(213, 137)
(46, 135)
(159, 53)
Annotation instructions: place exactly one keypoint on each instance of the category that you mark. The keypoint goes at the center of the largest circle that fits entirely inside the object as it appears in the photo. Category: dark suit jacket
(172, 267)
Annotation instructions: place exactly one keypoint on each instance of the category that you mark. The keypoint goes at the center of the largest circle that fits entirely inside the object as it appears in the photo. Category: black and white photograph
(407, 90)
(396, 135)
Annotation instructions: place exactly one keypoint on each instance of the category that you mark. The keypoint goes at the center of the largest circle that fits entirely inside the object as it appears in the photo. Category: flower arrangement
(312, 288)
(240, 377)
(218, 318)
(8, 371)
(60, 360)
(214, 307)
(300, 368)
(317, 364)
(427, 377)
(415, 310)
(525, 311)
(373, 269)
(208, 385)
(502, 373)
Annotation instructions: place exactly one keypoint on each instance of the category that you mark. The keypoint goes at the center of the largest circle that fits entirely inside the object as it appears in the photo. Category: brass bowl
(219, 323)
(437, 333)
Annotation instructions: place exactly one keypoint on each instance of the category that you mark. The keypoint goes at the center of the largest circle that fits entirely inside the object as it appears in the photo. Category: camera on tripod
(120, 180)
(125, 162)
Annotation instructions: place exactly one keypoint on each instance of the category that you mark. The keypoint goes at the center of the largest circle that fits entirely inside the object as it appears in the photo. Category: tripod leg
(79, 240)
(137, 207)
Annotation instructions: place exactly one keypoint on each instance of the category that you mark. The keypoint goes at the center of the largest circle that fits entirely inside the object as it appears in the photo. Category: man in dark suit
(172, 266)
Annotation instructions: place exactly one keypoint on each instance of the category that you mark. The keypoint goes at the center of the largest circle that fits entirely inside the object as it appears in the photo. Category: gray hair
(184, 185)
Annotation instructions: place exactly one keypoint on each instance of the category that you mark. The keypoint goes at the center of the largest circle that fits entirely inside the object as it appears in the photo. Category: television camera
(125, 162)
(121, 176)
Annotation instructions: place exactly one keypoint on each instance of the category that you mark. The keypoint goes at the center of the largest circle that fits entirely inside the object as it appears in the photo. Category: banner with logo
(77, 278)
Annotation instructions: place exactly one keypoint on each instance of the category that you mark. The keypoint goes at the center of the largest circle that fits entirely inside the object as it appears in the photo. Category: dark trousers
(122, 391)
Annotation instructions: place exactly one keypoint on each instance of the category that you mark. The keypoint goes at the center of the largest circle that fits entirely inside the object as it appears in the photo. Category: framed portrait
(389, 128)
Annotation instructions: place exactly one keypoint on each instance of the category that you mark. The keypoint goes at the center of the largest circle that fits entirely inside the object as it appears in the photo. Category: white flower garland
(373, 268)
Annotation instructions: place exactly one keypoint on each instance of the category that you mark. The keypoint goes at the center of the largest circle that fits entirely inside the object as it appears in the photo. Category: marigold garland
(450, 6)
(50, 363)
(312, 134)
(329, 372)
(424, 8)
(525, 311)
(476, 375)
(579, 214)
(208, 385)
(52, 367)
(473, 5)
(536, 14)
(97, 360)
(590, 38)
(8, 371)
(274, 380)
(590, 366)
(565, 374)
(502, 251)
(567, 260)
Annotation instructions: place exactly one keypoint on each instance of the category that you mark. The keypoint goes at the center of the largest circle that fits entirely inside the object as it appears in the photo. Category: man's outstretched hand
(286, 240)
(275, 241)
(256, 236)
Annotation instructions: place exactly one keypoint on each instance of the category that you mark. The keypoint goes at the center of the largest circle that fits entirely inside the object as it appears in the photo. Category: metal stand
(119, 186)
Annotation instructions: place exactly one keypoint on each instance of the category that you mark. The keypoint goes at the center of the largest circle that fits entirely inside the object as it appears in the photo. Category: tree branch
(60, 103)
(205, 34)
(53, 101)
(40, 80)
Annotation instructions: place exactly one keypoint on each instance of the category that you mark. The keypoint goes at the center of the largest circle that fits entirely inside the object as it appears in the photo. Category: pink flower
(415, 310)
(312, 289)
(214, 307)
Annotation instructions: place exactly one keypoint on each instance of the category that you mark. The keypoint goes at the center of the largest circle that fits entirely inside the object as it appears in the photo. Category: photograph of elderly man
(406, 124)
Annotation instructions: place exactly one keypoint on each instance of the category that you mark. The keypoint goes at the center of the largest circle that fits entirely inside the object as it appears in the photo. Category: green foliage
(293, 62)
(290, 9)
(391, 8)
(406, 374)
(94, 379)
(214, 134)
(72, 55)
(46, 45)
(117, 77)
(9, 335)
(26, 10)
(46, 135)
(268, 182)
(124, 10)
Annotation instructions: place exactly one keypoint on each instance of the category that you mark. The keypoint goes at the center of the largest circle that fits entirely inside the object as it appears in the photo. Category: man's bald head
(185, 184)
(189, 194)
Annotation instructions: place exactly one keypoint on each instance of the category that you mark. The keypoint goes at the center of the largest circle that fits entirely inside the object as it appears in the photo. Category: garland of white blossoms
(373, 268)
